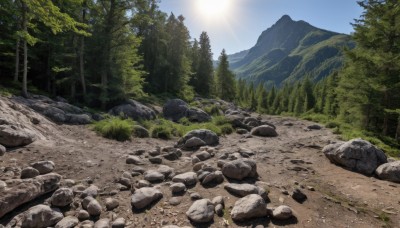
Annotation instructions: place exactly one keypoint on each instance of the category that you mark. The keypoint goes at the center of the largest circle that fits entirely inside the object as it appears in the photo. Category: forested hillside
(288, 51)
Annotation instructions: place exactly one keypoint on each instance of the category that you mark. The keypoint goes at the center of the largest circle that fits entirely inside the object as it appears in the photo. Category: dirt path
(294, 158)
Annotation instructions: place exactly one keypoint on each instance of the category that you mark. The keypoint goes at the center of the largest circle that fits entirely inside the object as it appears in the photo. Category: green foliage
(226, 129)
(115, 128)
(212, 110)
(162, 132)
(226, 88)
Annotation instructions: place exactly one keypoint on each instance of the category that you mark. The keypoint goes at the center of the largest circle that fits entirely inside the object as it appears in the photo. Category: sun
(212, 9)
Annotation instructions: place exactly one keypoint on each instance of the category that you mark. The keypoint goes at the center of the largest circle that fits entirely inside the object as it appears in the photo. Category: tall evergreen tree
(203, 82)
(226, 81)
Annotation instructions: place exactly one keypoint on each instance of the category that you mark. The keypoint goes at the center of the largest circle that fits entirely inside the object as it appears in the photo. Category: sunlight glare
(213, 9)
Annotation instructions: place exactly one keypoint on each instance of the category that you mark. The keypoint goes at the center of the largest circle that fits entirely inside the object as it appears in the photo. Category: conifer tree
(226, 81)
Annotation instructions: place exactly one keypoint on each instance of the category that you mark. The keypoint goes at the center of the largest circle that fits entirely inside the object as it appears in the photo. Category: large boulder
(39, 216)
(143, 197)
(357, 155)
(175, 109)
(134, 110)
(12, 136)
(389, 171)
(207, 136)
(248, 207)
(197, 115)
(264, 131)
(201, 211)
(240, 169)
(27, 190)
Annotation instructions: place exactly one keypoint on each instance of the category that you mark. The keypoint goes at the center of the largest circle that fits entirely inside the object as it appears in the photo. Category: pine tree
(226, 81)
(205, 72)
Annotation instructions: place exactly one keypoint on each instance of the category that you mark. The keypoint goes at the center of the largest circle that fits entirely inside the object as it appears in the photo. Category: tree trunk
(386, 114)
(81, 62)
(16, 60)
(398, 130)
(25, 46)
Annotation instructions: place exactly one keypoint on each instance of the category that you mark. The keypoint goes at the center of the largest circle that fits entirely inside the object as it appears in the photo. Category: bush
(115, 128)
(161, 132)
(226, 129)
(220, 120)
(212, 110)
(332, 124)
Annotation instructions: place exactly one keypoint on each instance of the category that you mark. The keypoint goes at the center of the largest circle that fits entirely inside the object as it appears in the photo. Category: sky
(235, 25)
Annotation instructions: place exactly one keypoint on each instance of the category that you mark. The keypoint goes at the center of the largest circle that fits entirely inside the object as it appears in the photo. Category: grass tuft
(115, 128)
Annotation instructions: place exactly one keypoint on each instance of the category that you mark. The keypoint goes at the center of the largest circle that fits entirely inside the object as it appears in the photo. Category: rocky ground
(292, 170)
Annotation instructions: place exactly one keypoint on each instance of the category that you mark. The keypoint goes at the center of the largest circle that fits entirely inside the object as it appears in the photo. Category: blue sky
(239, 26)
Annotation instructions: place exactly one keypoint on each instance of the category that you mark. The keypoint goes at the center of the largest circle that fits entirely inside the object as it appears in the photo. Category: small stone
(174, 201)
(298, 195)
(44, 167)
(219, 209)
(178, 188)
(62, 197)
(29, 172)
(248, 207)
(189, 178)
(195, 160)
(90, 191)
(144, 197)
(67, 222)
(131, 159)
(111, 203)
(118, 223)
(154, 176)
(86, 201)
(282, 212)
(94, 208)
(218, 200)
(195, 196)
(311, 188)
(154, 152)
(155, 160)
(2, 150)
(143, 183)
(102, 223)
(83, 215)
(125, 181)
(204, 155)
(201, 211)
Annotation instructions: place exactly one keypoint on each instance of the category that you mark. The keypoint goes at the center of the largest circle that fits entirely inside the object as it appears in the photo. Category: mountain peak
(285, 18)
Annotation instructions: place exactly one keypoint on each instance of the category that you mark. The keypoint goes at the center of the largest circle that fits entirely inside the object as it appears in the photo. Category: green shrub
(185, 121)
(332, 124)
(212, 110)
(115, 128)
(226, 129)
(161, 132)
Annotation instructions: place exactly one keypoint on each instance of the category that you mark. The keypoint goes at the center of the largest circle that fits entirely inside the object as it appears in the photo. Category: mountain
(288, 51)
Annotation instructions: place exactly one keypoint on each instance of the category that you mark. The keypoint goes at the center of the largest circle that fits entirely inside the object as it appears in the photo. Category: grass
(115, 128)
(348, 132)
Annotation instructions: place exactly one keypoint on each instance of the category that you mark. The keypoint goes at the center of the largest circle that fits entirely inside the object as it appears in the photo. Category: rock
(248, 207)
(165, 170)
(13, 136)
(218, 200)
(83, 215)
(140, 132)
(102, 223)
(29, 172)
(155, 160)
(241, 189)
(131, 159)
(118, 223)
(240, 169)
(197, 115)
(68, 183)
(143, 183)
(219, 210)
(241, 131)
(92, 191)
(144, 197)
(177, 188)
(195, 160)
(389, 171)
(314, 127)
(134, 110)
(175, 109)
(94, 208)
(3, 185)
(125, 181)
(201, 211)
(27, 190)
(154, 153)
(194, 143)
(204, 155)
(174, 201)
(209, 137)
(62, 197)
(78, 119)
(43, 167)
(298, 195)
(195, 196)
(86, 201)
(357, 155)
(213, 178)
(264, 131)
(37, 216)
(154, 176)
(189, 178)
(68, 222)
(282, 212)
(111, 203)
(2, 150)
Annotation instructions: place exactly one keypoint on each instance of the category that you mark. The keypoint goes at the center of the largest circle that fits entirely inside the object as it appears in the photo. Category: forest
(99, 53)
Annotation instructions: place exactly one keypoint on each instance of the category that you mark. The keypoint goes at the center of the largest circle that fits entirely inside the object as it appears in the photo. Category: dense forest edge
(98, 54)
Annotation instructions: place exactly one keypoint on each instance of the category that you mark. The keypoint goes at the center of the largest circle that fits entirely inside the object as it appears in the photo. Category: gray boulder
(78, 119)
(357, 155)
(240, 169)
(39, 216)
(2, 150)
(178, 187)
(241, 189)
(189, 178)
(43, 167)
(27, 190)
(143, 197)
(209, 137)
(197, 115)
(175, 109)
(154, 176)
(29, 172)
(140, 132)
(111, 203)
(201, 211)
(282, 212)
(102, 223)
(118, 223)
(67, 222)
(134, 110)
(62, 197)
(264, 131)
(94, 208)
(389, 171)
(194, 143)
(248, 207)
(12, 136)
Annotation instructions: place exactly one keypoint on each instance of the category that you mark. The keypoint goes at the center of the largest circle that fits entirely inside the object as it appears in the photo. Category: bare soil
(293, 159)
